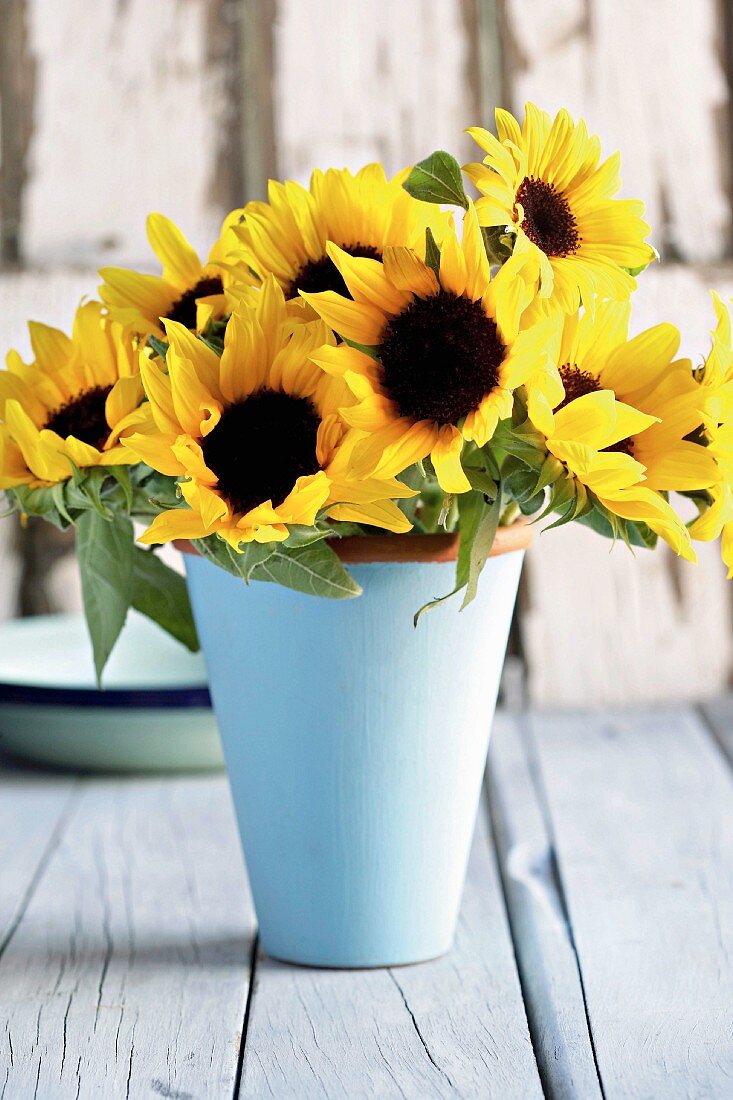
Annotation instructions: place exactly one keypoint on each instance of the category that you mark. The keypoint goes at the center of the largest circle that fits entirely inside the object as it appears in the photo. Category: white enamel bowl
(153, 713)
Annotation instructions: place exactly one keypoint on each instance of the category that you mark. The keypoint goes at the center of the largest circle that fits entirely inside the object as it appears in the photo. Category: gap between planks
(547, 962)
(638, 804)
(128, 954)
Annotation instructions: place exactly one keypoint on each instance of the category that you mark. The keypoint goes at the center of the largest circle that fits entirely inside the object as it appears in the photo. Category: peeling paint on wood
(647, 76)
(361, 82)
(129, 114)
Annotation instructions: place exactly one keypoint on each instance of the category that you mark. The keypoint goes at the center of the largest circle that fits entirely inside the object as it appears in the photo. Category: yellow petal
(13, 388)
(446, 458)
(367, 281)
(51, 347)
(157, 386)
(196, 410)
(155, 451)
(307, 497)
(181, 265)
(43, 460)
(406, 271)
(392, 449)
(452, 266)
(176, 523)
(382, 513)
(123, 398)
(204, 359)
(356, 321)
(147, 292)
(81, 454)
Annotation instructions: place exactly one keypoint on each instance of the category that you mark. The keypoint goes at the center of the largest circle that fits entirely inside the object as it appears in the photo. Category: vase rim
(359, 549)
(363, 549)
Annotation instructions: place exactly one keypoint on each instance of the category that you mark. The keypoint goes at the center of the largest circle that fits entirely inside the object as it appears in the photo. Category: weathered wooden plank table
(594, 955)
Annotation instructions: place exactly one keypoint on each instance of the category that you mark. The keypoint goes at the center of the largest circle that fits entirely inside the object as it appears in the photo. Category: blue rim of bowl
(122, 698)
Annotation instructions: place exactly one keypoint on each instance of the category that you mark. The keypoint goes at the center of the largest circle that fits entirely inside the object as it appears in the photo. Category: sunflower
(446, 351)
(588, 437)
(363, 214)
(546, 184)
(716, 374)
(716, 378)
(594, 353)
(72, 405)
(255, 435)
(188, 291)
(716, 522)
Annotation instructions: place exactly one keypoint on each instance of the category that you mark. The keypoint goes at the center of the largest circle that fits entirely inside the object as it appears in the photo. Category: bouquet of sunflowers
(372, 355)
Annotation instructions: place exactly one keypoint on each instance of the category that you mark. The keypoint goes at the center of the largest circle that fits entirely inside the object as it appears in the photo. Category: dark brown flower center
(440, 357)
(83, 417)
(261, 446)
(548, 220)
(577, 384)
(184, 309)
(316, 276)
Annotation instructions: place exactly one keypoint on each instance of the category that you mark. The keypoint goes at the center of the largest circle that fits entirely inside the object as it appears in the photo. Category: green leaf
(42, 502)
(93, 487)
(161, 594)
(481, 481)
(497, 242)
(432, 253)
(437, 179)
(238, 564)
(481, 544)
(121, 474)
(315, 570)
(370, 351)
(477, 527)
(300, 535)
(105, 552)
(153, 492)
(160, 347)
(610, 526)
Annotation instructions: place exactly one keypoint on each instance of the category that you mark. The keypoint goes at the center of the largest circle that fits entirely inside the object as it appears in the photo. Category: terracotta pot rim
(363, 549)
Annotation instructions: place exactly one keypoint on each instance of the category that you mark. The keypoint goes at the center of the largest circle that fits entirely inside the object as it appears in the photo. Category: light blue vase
(355, 745)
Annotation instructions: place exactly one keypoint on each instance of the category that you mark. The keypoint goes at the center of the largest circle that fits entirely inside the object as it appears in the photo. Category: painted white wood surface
(125, 968)
(648, 77)
(357, 82)
(639, 805)
(451, 1028)
(126, 936)
(543, 942)
(126, 120)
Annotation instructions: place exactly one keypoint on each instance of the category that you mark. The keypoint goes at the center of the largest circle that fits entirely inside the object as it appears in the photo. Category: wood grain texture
(451, 1028)
(603, 626)
(648, 77)
(640, 811)
(361, 82)
(127, 968)
(17, 90)
(130, 103)
(543, 943)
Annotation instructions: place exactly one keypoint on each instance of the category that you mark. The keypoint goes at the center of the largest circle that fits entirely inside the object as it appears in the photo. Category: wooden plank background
(187, 106)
